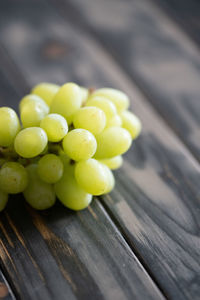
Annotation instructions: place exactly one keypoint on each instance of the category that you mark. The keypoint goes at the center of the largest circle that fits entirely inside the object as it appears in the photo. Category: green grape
(64, 158)
(55, 127)
(67, 100)
(107, 106)
(131, 123)
(39, 194)
(115, 121)
(32, 113)
(50, 168)
(70, 193)
(3, 200)
(110, 180)
(91, 176)
(9, 126)
(13, 178)
(84, 93)
(46, 91)
(29, 99)
(79, 144)
(112, 141)
(90, 118)
(30, 142)
(70, 120)
(120, 99)
(113, 163)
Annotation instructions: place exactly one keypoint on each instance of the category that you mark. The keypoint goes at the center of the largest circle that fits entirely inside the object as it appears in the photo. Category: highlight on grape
(65, 144)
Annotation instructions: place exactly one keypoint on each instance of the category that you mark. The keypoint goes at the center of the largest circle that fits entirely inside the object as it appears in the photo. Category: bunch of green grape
(65, 144)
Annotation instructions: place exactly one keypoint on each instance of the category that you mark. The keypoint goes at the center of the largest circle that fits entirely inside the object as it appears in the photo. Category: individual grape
(30, 142)
(110, 180)
(64, 158)
(67, 100)
(3, 200)
(112, 141)
(113, 163)
(13, 178)
(9, 126)
(46, 91)
(91, 176)
(115, 121)
(120, 99)
(50, 168)
(29, 99)
(90, 118)
(107, 106)
(131, 123)
(70, 193)
(32, 113)
(79, 144)
(39, 194)
(84, 93)
(55, 127)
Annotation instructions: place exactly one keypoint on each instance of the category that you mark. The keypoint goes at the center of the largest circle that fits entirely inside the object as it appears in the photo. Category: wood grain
(156, 200)
(5, 291)
(59, 254)
(162, 61)
(185, 13)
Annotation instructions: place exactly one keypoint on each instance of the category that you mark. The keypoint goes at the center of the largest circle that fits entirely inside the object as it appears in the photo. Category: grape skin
(50, 168)
(91, 176)
(91, 118)
(79, 144)
(120, 99)
(39, 194)
(30, 142)
(112, 141)
(110, 179)
(9, 126)
(113, 163)
(32, 113)
(55, 127)
(131, 123)
(46, 91)
(115, 121)
(70, 193)
(107, 106)
(13, 178)
(67, 100)
(30, 99)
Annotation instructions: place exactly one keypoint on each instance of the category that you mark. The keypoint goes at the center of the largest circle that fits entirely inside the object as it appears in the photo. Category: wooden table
(142, 241)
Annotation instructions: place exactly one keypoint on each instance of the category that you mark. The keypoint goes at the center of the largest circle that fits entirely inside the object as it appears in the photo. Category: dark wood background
(142, 241)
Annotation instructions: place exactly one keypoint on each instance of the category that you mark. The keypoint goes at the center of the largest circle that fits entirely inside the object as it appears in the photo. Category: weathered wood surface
(59, 254)
(5, 291)
(186, 14)
(155, 203)
(154, 52)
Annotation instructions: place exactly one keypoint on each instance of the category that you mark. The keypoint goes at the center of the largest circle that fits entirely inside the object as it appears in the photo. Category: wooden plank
(5, 290)
(154, 52)
(159, 210)
(59, 254)
(186, 13)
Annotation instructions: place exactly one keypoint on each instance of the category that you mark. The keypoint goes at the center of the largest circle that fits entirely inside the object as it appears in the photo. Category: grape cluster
(67, 144)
